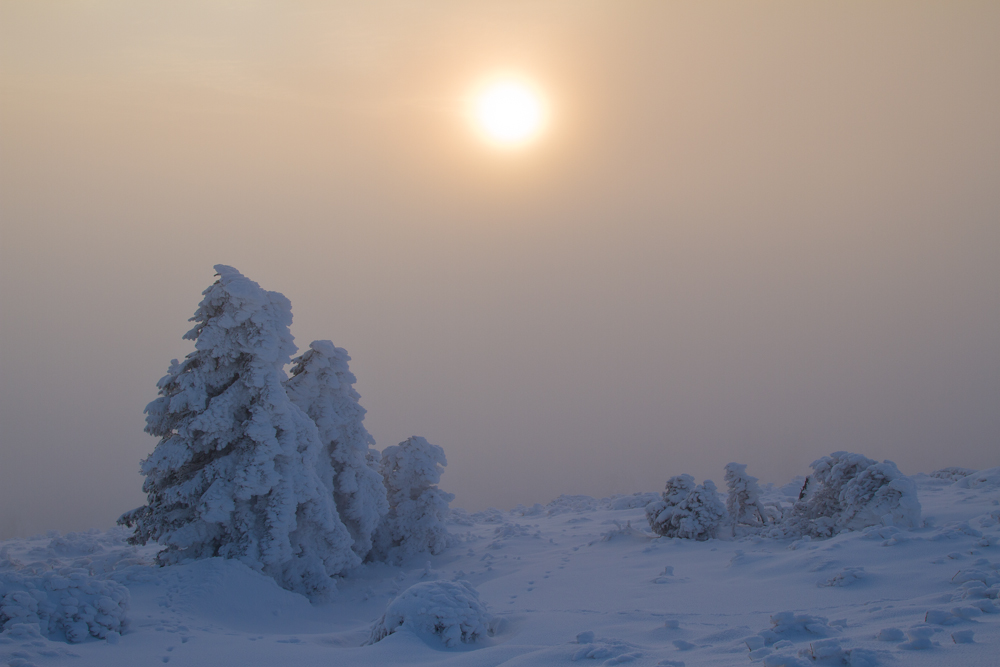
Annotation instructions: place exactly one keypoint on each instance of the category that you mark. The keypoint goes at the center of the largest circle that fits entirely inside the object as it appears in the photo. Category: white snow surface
(581, 580)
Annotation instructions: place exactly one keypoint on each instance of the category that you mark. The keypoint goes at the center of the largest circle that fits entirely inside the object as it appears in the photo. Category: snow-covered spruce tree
(234, 472)
(659, 512)
(687, 511)
(743, 500)
(879, 494)
(417, 508)
(699, 516)
(849, 491)
(322, 385)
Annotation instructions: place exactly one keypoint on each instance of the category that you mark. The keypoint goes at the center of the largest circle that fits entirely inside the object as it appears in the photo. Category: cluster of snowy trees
(844, 492)
(277, 471)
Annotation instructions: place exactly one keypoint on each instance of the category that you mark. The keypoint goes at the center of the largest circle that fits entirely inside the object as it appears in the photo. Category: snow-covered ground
(572, 581)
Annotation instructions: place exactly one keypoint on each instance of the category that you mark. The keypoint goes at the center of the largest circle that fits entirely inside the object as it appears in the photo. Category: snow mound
(952, 474)
(989, 478)
(624, 533)
(448, 611)
(63, 603)
(565, 503)
(631, 501)
(611, 651)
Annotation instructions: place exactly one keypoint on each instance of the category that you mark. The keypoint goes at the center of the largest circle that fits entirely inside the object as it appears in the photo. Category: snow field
(571, 582)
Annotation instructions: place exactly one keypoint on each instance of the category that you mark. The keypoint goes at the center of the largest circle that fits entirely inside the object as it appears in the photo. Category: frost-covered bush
(743, 500)
(417, 508)
(234, 473)
(66, 603)
(322, 385)
(848, 492)
(447, 610)
(687, 511)
(879, 494)
(659, 512)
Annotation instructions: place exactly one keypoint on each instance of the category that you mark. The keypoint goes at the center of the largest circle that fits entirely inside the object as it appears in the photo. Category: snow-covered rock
(448, 611)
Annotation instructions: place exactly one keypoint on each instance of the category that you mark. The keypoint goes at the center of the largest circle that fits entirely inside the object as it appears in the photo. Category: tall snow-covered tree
(322, 385)
(417, 508)
(234, 472)
(743, 500)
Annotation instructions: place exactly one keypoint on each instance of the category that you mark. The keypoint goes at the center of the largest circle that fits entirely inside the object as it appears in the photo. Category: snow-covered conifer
(687, 511)
(698, 516)
(322, 385)
(234, 472)
(821, 492)
(417, 508)
(879, 494)
(850, 491)
(743, 500)
(659, 513)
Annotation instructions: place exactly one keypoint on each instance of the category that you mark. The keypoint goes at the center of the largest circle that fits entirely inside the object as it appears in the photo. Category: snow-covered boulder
(446, 611)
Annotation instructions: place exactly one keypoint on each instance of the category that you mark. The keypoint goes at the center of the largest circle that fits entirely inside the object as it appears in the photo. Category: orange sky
(754, 231)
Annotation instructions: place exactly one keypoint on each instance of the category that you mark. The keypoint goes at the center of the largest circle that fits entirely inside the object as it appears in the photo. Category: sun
(509, 112)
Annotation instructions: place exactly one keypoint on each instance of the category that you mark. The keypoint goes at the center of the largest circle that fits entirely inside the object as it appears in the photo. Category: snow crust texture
(449, 611)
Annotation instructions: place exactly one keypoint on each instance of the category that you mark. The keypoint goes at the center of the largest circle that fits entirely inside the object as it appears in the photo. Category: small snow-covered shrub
(417, 508)
(879, 494)
(743, 500)
(659, 512)
(63, 603)
(849, 492)
(687, 511)
(447, 610)
(820, 496)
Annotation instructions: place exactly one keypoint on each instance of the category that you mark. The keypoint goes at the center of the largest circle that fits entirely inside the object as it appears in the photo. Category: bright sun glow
(509, 113)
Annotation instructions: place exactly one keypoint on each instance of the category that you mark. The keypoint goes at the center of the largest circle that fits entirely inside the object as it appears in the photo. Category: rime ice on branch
(322, 385)
(234, 473)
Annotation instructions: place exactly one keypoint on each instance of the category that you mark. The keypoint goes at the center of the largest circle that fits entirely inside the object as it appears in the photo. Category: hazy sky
(755, 231)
